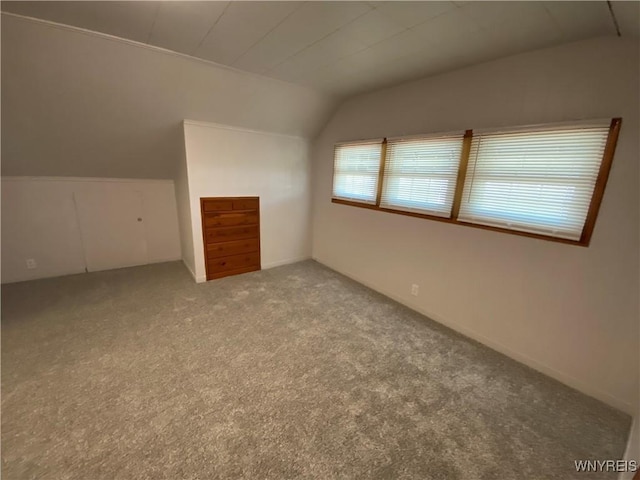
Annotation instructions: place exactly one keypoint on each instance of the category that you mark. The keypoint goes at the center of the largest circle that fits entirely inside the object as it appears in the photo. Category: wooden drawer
(234, 262)
(224, 249)
(237, 271)
(231, 228)
(228, 219)
(245, 204)
(213, 205)
(226, 234)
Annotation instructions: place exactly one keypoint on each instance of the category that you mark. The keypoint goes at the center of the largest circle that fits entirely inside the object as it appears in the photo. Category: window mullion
(462, 172)
(383, 161)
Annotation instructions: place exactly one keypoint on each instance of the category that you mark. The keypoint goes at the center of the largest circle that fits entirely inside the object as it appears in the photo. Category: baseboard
(5, 281)
(264, 266)
(279, 263)
(165, 260)
(81, 271)
(195, 279)
(524, 359)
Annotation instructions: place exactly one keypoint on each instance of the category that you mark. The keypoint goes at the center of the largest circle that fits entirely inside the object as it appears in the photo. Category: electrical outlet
(31, 263)
(414, 290)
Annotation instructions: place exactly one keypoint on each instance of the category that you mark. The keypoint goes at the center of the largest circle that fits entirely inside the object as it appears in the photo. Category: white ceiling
(343, 47)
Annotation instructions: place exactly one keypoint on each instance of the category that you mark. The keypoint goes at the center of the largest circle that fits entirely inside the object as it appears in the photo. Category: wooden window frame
(589, 224)
(382, 142)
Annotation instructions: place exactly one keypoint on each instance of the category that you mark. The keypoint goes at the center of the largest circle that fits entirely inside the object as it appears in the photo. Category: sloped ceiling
(343, 48)
(80, 104)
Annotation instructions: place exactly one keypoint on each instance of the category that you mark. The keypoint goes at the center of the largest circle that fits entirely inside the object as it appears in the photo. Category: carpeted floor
(294, 372)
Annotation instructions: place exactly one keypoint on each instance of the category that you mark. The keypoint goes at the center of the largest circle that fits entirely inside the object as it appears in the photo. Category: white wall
(183, 203)
(84, 104)
(39, 221)
(569, 311)
(225, 161)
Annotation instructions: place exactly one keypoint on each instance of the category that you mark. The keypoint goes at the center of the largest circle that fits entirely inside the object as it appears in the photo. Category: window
(420, 174)
(544, 182)
(356, 171)
(537, 181)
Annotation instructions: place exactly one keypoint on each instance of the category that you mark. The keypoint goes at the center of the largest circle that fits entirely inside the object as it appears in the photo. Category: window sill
(458, 222)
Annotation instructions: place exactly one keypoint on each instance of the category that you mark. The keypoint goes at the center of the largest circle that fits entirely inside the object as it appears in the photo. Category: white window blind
(355, 171)
(534, 181)
(420, 174)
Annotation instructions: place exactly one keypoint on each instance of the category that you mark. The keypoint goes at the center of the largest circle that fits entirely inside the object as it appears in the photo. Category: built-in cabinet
(112, 228)
(54, 226)
(231, 235)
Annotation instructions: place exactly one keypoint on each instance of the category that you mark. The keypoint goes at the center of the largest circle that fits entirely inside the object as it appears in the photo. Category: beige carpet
(294, 372)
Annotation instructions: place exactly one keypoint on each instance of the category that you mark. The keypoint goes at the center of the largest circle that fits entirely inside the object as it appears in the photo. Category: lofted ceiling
(342, 48)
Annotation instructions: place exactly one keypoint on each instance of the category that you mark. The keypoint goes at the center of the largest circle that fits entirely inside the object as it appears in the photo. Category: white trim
(220, 126)
(189, 270)
(165, 260)
(82, 272)
(288, 261)
(536, 365)
(154, 48)
(85, 179)
(20, 279)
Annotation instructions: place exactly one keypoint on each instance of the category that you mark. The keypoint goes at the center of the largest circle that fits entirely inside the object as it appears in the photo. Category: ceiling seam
(613, 18)
(267, 34)
(459, 8)
(153, 24)
(211, 29)
(321, 39)
(553, 20)
(405, 29)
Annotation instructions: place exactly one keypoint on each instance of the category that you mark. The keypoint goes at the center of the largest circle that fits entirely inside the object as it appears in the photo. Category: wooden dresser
(231, 231)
